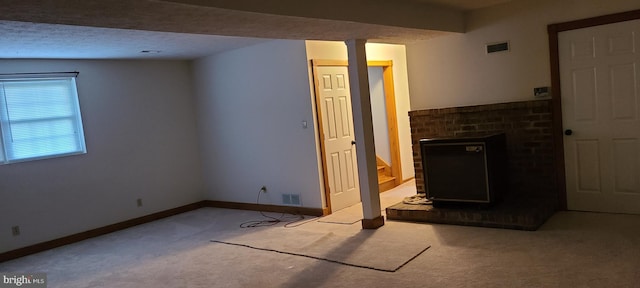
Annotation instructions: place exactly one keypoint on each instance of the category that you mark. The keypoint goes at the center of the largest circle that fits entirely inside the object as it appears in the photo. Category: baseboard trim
(374, 223)
(32, 249)
(28, 250)
(265, 208)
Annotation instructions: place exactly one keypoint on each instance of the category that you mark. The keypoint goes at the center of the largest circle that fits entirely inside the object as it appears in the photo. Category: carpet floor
(572, 249)
(360, 249)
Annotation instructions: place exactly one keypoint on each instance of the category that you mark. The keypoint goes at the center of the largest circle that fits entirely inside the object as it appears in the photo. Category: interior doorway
(333, 110)
(594, 85)
(395, 162)
(335, 123)
(600, 115)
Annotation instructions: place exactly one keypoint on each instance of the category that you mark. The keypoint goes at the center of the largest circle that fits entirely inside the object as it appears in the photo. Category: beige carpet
(348, 216)
(572, 249)
(358, 250)
(353, 214)
(345, 244)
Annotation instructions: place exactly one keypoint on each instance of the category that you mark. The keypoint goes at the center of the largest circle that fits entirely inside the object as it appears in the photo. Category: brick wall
(527, 126)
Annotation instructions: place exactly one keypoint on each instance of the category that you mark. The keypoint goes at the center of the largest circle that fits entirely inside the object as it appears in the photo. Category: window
(39, 117)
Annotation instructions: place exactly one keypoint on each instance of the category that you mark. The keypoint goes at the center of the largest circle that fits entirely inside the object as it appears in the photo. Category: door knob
(353, 142)
(568, 132)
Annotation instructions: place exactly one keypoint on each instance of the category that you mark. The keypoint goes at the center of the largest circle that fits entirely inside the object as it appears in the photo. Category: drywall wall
(335, 50)
(398, 55)
(252, 103)
(379, 114)
(141, 140)
(326, 50)
(454, 70)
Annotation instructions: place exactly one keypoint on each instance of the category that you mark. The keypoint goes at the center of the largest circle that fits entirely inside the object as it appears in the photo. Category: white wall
(382, 52)
(454, 70)
(251, 104)
(397, 54)
(141, 140)
(379, 114)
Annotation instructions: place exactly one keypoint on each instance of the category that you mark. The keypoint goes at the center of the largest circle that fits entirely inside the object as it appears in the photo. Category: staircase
(385, 180)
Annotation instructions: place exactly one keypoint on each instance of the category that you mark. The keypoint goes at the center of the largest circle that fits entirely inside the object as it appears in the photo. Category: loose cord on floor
(326, 259)
(284, 217)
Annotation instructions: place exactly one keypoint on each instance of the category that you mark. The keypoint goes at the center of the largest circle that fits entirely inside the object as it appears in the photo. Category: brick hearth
(531, 197)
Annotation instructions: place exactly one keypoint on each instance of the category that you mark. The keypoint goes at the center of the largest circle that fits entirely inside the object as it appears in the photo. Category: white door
(599, 83)
(337, 125)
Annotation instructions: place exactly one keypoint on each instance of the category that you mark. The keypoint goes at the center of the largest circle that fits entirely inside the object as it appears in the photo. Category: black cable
(272, 220)
(326, 259)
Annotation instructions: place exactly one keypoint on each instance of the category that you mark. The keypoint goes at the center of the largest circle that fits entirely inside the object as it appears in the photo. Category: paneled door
(334, 109)
(599, 86)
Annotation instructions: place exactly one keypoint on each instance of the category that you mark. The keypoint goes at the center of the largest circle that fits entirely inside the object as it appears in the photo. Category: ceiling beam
(397, 13)
(358, 19)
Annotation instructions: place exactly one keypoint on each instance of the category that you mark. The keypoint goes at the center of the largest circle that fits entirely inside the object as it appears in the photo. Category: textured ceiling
(95, 30)
(33, 40)
(466, 4)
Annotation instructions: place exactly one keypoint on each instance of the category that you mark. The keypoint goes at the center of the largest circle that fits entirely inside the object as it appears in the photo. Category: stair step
(386, 182)
(384, 179)
(380, 168)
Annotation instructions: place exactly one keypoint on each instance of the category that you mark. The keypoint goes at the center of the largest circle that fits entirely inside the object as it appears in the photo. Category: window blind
(39, 117)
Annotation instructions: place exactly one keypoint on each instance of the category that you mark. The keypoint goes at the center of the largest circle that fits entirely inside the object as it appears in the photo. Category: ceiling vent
(497, 47)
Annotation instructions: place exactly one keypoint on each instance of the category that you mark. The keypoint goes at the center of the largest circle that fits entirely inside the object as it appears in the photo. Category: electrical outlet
(15, 230)
(139, 202)
(263, 189)
(541, 92)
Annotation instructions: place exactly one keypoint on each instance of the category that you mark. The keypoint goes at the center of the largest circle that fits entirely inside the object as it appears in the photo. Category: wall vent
(295, 199)
(497, 47)
(291, 199)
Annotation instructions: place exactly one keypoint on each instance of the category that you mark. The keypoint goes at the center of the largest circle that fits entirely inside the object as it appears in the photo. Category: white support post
(363, 129)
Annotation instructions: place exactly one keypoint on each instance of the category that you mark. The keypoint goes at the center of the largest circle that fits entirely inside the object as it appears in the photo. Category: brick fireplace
(531, 196)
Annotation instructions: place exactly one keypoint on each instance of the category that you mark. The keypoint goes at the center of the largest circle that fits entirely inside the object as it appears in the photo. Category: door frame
(315, 63)
(392, 117)
(392, 122)
(554, 57)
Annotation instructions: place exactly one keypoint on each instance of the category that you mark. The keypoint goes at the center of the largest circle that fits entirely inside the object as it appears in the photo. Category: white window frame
(7, 146)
